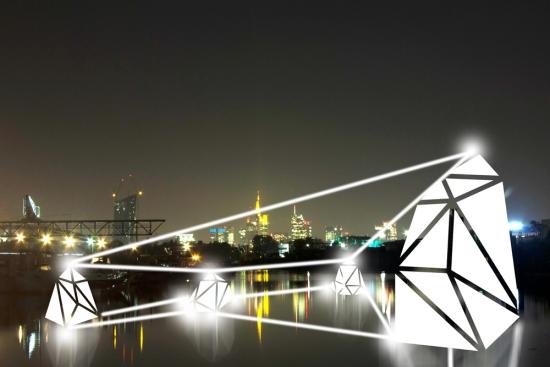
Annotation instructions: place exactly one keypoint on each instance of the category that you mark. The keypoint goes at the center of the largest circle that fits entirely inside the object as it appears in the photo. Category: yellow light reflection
(20, 334)
(141, 337)
(114, 337)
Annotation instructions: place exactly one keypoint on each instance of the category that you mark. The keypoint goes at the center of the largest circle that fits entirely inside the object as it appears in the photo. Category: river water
(27, 339)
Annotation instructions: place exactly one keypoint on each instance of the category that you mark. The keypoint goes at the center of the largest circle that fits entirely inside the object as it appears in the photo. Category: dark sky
(207, 102)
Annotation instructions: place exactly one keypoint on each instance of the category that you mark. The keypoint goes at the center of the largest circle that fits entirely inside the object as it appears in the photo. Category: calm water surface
(26, 339)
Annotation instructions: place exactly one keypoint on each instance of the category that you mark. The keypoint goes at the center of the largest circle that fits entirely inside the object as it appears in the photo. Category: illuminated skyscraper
(125, 209)
(263, 219)
(299, 227)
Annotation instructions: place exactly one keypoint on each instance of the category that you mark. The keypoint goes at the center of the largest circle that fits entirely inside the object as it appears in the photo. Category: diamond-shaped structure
(349, 281)
(72, 302)
(211, 295)
(456, 287)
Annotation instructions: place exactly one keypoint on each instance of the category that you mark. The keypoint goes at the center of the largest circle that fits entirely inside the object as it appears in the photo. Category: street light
(90, 241)
(20, 237)
(101, 243)
(196, 257)
(69, 241)
(46, 239)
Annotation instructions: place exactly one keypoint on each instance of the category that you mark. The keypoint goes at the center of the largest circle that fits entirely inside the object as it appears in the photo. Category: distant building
(217, 235)
(352, 241)
(262, 219)
(390, 234)
(186, 239)
(125, 209)
(31, 211)
(280, 237)
(333, 233)
(299, 226)
(257, 225)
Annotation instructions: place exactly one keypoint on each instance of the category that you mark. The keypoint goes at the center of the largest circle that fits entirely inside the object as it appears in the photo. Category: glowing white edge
(269, 266)
(235, 296)
(144, 306)
(300, 325)
(267, 208)
(296, 325)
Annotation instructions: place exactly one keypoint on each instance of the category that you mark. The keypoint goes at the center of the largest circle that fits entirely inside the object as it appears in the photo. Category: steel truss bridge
(81, 228)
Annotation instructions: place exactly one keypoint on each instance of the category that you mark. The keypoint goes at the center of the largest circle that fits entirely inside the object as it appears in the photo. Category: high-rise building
(299, 227)
(262, 219)
(390, 233)
(333, 233)
(125, 209)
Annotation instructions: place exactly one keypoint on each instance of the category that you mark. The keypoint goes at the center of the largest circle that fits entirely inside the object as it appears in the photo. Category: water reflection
(28, 340)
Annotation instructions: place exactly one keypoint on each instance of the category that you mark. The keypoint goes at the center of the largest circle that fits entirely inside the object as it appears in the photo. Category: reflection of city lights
(46, 239)
(20, 334)
(69, 241)
(20, 237)
(141, 337)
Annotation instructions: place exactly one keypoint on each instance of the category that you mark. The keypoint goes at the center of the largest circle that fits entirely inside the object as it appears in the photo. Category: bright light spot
(406, 232)
(134, 248)
(472, 146)
(20, 237)
(90, 241)
(69, 241)
(101, 243)
(186, 246)
(515, 226)
(114, 195)
(46, 239)
(196, 257)
(140, 193)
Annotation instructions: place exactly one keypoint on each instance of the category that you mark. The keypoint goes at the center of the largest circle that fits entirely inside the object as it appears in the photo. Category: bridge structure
(86, 228)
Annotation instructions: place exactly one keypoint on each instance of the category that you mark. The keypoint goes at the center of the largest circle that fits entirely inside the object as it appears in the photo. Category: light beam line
(170, 301)
(295, 325)
(295, 264)
(273, 206)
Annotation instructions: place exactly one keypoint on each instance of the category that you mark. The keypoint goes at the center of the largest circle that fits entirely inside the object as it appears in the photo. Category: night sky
(206, 103)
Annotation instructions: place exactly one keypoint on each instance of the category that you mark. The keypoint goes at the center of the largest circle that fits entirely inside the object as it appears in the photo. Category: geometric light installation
(72, 302)
(349, 281)
(211, 295)
(456, 287)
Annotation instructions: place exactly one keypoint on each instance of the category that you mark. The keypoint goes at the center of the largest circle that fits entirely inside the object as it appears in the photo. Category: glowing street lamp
(69, 241)
(196, 257)
(101, 243)
(90, 241)
(20, 237)
(46, 239)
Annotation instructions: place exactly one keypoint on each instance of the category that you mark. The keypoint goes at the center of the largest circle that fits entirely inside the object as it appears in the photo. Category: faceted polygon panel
(457, 285)
(211, 295)
(349, 281)
(71, 302)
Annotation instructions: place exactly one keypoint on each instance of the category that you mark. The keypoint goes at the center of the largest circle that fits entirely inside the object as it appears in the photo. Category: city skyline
(257, 102)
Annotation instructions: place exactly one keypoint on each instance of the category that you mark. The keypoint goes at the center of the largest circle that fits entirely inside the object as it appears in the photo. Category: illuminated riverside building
(390, 234)
(333, 233)
(299, 227)
(125, 209)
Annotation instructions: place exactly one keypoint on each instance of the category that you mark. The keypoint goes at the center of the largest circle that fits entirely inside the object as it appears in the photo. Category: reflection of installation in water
(463, 190)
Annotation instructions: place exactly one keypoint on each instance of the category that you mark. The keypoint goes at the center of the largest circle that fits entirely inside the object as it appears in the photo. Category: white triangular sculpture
(71, 302)
(456, 287)
(349, 281)
(211, 295)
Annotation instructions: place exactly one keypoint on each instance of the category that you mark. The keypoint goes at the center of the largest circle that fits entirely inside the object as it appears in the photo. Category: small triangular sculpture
(211, 295)
(349, 281)
(72, 302)
(456, 287)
